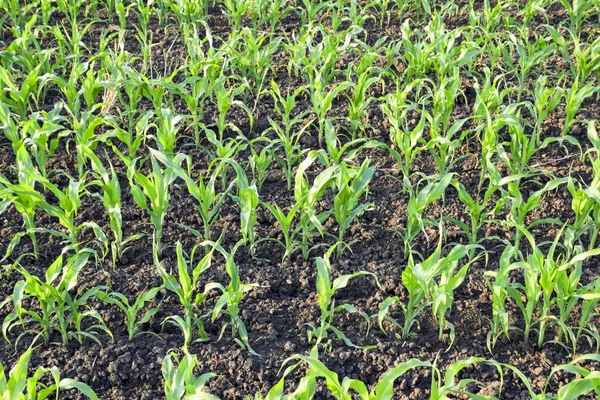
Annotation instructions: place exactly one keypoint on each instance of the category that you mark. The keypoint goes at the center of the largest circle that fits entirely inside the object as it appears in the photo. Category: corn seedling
(154, 187)
(477, 208)
(231, 297)
(111, 199)
(359, 102)
(326, 289)
(18, 98)
(252, 56)
(590, 296)
(21, 386)
(352, 185)
(406, 143)
(522, 147)
(288, 137)
(337, 152)
(545, 100)
(247, 199)
(345, 390)
(184, 286)
(573, 100)
(450, 385)
(226, 98)
(131, 310)
(430, 283)
(521, 207)
(500, 293)
(548, 280)
(69, 202)
(236, 10)
(23, 195)
(260, 161)
(167, 125)
(309, 221)
(578, 12)
(322, 101)
(59, 310)
(203, 191)
(445, 138)
(41, 140)
(586, 382)
(585, 204)
(529, 53)
(417, 202)
(180, 381)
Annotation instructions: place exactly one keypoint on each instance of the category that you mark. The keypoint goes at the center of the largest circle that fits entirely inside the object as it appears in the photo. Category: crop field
(299, 199)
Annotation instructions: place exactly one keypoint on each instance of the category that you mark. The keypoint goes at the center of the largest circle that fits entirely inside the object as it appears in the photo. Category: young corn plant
(180, 381)
(290, 242)
(445, 137)
(573, 100)
(406, 143)
(247, 199)
(309, 222)
(252, 54)
(585, 204)
(23, 195)
(209, 199)
(545, 100)
(20, 99)
(589, 296)
(19, 385)
(111, 198)
(500, 288)
(477, 208)
(336, 152)
(430, 283)
(450, 386)
(578, 12)
(417, 202)
(288, 136)
(167, 125)
(417, 53)
(587, 59)
(345, 390)
(260, 161)
(326, 289)
(231, 297)
(533, 8)
(549, 280)
(236, 10)
(352, 185)
(586, 381)
(59, 310)
(226, 98)
(133, 136)
(359, 102)
(225, 151)
(522, 146)
(322, 101)
(40, 139)
(586, 201)
(154, 187)
(184, 286)
(529, 53)
(521, 207)
(132, 310)
(69, 203)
